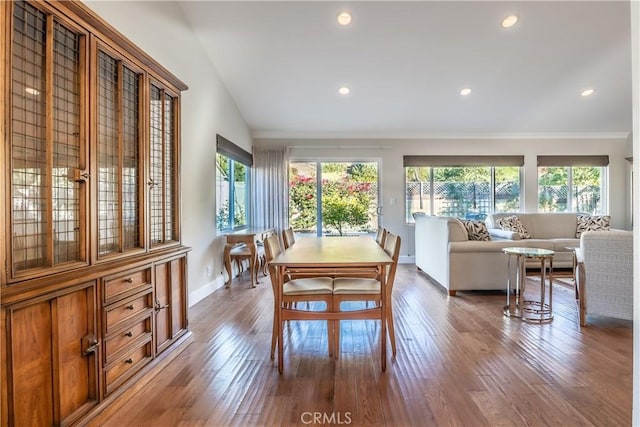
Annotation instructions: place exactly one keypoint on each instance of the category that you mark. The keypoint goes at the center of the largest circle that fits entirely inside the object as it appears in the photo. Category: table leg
(543, 285)
(541, 311)
(227, 263)
(508, 310)
(522, 281)
(278, 296)
(253, 264)
(551, 286)
(383, 319)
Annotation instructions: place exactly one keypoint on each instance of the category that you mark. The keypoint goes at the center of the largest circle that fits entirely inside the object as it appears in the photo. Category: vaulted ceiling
(406, 63)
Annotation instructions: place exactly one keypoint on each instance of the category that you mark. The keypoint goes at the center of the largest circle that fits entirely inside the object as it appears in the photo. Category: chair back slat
(380, 236)
(392, 248)
(288, 238)
(271, 250)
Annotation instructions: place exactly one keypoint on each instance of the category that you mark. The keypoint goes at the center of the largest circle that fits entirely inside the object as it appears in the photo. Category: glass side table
(529, 310)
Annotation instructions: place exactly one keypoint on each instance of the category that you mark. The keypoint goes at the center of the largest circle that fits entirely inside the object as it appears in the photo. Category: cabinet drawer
(123, 368)
(120, 340)
(126, 284)
(120, 313)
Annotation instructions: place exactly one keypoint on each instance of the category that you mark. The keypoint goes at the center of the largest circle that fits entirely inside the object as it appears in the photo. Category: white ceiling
(406, 63)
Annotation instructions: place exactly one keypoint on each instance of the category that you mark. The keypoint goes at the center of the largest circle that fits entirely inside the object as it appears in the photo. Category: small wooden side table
(245, 240)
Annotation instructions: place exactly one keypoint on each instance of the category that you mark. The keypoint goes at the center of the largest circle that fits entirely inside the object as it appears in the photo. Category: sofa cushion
(592, 223)
(563, 245)
(512, 223)
(476, 230)
(541, 225)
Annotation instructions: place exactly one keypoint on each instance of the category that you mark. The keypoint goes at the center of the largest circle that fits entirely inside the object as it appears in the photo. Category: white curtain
(270, 188)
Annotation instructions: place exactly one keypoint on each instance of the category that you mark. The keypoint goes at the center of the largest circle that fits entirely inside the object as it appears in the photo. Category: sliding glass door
(333, 198)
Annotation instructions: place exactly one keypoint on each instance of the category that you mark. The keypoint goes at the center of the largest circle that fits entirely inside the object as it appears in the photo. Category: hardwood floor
(459, 363)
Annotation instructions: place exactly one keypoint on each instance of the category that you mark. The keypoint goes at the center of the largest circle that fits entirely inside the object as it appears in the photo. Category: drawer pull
(128, 334)
(129, 361)
(130, 307)
(129, 280)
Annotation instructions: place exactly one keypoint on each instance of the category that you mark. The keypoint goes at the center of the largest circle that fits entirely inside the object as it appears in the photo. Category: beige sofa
(444, 252)
(555, 231)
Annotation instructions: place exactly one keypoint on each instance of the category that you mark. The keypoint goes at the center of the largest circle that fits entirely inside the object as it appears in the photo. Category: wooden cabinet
(93, 293)
(170, 301)
(128, 327)
(54, 361)
(119, 135)
(163, 157)
(46, 120)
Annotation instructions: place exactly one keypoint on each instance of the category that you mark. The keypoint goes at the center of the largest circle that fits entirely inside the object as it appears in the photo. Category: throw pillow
(476, 230)
(592, 223)
(512, 223)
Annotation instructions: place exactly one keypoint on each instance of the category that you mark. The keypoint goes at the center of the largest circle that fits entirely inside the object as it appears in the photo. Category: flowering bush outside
(345, 204)
(302, 203)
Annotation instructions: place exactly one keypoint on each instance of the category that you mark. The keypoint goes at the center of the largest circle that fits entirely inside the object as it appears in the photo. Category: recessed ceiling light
(344, 18)
(587, 92)
(509, 21)
(32, 91)
(466, 91)
(344, 90)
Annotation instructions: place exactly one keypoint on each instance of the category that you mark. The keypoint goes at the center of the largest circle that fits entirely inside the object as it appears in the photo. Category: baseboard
(204, 291)
(407, 259)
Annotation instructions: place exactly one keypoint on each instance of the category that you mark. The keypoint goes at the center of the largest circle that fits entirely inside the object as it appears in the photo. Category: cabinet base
(114, 402)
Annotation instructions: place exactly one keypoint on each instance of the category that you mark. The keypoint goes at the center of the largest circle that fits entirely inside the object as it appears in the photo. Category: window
(233, 167)
(572, 184)
(461, 186)
(333, 198)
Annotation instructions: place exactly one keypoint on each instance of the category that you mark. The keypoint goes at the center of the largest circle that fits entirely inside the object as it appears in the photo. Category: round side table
(529, 310)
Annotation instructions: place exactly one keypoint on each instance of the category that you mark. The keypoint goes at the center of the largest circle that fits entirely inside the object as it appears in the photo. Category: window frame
(318, 163)
(604, 188)
(492, 171)
(233, 154)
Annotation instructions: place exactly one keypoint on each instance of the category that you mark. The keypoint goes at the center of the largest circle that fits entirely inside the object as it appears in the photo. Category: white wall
(160, 30)
(390, 152)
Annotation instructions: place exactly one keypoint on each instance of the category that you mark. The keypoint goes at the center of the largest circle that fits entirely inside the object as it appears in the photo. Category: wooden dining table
(334, 257)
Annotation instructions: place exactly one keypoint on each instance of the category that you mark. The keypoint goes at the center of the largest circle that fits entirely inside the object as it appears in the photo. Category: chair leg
(391, 330)
(274, 333)
(581, 296)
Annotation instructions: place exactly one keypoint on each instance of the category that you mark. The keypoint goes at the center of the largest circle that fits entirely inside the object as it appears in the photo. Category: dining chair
(288, 238)
(262, 256)
(380, 236)
(368, 289)
(309, 289)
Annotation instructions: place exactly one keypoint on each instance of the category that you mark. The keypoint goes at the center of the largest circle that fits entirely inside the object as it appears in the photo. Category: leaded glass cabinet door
(47, 137)
(163, 165)
(119, 158)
